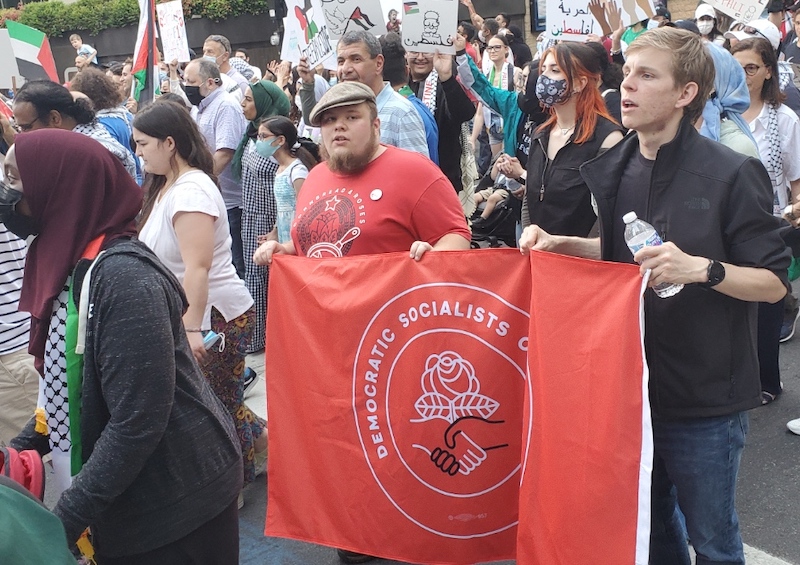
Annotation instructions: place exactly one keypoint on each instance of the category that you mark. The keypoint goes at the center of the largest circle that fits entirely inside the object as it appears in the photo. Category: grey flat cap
(341, 94)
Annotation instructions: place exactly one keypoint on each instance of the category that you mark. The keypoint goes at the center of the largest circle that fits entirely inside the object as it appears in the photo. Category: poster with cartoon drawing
(306, 33)
(429, 24)
(575, 19)
(348, 15)
(173, 31)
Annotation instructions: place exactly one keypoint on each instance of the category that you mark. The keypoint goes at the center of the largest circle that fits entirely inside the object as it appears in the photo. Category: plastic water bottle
(638, 234)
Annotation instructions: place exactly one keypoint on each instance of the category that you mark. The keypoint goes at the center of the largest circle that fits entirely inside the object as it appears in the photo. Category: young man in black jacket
(712, 208)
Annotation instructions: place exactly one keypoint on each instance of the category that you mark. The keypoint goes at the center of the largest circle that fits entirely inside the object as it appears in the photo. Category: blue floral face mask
(551, 91)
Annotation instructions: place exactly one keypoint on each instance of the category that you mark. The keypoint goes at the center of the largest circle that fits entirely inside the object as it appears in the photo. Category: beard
(347, 162)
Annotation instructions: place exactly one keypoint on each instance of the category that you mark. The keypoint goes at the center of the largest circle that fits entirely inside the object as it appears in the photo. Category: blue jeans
(695, 465)
(237, 250)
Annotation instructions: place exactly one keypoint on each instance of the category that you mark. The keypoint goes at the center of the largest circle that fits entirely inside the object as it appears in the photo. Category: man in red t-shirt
(367, 197)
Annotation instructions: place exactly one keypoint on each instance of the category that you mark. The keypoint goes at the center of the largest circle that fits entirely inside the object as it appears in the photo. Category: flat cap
(341, 94)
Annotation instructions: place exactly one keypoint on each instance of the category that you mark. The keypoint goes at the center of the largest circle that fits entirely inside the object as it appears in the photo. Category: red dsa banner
(585, 494)
(395, 401)
(403, 420)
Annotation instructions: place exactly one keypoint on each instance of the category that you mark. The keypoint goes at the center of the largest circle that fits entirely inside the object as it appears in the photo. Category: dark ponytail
(46, 96)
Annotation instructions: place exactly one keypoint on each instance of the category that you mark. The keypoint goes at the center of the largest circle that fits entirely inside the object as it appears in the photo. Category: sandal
(767, 397)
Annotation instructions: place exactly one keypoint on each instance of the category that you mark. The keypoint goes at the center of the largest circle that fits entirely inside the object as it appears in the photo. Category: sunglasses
(750, 30)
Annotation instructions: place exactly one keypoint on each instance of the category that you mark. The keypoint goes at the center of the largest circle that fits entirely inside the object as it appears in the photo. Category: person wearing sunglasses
(501, 74)
(776, 130)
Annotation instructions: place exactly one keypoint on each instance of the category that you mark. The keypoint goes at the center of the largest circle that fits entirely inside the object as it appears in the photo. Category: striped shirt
(14, 325)
(401, 125)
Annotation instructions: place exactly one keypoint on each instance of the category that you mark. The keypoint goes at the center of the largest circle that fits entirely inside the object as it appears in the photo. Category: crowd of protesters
(150, 230)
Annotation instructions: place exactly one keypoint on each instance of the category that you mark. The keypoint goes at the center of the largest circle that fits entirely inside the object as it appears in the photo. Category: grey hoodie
(160, 452)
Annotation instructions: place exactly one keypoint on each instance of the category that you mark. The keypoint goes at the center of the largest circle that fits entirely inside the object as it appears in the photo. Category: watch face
(716, 273)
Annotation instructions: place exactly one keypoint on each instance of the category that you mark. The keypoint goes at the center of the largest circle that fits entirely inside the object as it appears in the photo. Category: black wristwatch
(715, 273)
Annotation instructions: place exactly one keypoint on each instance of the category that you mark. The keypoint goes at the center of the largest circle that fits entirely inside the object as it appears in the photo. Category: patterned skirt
(225, 373)
(256, 277)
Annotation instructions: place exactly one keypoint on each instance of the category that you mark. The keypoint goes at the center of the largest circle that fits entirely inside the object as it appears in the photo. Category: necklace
(565, 131)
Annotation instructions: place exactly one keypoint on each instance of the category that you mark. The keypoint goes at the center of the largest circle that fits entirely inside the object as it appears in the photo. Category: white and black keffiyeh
(429, 90)
(774, 164)
(55, 376)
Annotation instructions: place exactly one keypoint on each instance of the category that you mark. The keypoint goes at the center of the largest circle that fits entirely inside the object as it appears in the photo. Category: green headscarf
(270, 100)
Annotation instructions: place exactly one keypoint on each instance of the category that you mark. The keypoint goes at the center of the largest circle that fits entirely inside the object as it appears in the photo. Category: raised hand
(459, 42)
(599, 14)
(283, 72)
(305, 72)
(614, 18)
(443, 63)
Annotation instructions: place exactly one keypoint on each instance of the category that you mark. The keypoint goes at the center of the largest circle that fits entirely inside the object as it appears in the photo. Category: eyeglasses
(25, 127)
(262, 137)
(491, 48)
(751, 69)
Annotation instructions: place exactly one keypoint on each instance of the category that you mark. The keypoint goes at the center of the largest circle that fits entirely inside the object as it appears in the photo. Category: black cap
(688, 25)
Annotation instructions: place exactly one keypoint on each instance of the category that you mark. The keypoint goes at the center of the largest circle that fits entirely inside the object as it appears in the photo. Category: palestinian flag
(145, 64)
(361, 19)
(410, 8)
(32, 51)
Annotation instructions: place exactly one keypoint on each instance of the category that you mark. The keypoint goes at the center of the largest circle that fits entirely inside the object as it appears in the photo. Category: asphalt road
(769, 479)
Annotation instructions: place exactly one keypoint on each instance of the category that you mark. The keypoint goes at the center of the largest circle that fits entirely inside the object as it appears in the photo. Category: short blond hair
(691, 62)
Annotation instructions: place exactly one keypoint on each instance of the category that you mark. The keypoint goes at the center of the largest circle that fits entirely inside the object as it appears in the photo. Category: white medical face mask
(705, 27)
(481, 36)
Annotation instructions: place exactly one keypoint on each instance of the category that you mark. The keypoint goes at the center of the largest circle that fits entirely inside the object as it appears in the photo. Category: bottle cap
(630, 217)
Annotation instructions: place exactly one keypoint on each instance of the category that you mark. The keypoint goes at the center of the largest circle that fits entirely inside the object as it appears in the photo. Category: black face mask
(21, 226)
(527, 100)
(193, 94)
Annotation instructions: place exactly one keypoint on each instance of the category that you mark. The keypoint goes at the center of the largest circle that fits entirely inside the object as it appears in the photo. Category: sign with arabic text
(575, 19)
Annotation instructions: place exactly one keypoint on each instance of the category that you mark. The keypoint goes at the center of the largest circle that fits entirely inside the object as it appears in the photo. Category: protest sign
(306, 33)
(349, 15)
(740, 10)
(428, 25)
(8, 62)
(173, 31)
(575, 19)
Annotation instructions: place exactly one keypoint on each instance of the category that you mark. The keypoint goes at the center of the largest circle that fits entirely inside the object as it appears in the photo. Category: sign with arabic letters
(575, 19)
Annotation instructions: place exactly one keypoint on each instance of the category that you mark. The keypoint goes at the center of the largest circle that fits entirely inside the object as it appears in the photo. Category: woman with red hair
(577, 130)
